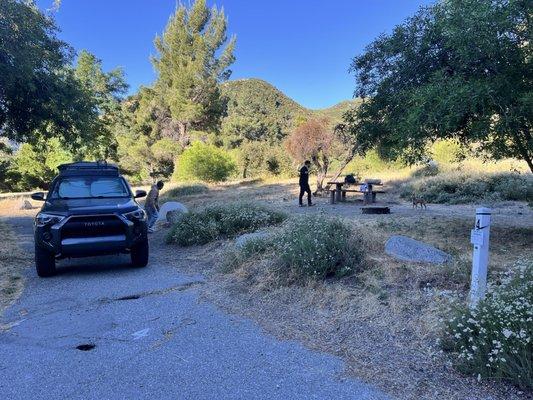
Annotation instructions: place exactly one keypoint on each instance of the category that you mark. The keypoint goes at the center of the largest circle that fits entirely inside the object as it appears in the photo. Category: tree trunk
(322, 171)
(245, 169)
(182, 136)
(349, 157)
(523, 150)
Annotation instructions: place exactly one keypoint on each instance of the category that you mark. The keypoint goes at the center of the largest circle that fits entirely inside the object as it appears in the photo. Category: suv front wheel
(45, 262)
(139, 254)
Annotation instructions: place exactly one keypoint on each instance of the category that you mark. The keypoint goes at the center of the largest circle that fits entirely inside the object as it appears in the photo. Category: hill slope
(259, 111)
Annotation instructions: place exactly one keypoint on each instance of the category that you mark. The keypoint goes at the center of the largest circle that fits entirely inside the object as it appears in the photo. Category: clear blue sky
(304, 47)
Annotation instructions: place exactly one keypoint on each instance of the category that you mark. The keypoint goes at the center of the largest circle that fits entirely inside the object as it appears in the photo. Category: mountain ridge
(342, 105)
(257, 110)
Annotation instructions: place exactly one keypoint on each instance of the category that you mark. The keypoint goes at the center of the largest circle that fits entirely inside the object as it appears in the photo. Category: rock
(407, 249)
(170, 211)
(243, 239)
(26, 205)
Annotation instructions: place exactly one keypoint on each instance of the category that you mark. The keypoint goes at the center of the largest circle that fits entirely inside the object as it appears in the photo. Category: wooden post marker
(479, 237)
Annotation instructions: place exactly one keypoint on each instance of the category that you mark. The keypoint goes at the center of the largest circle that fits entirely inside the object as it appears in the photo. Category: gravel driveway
(102, 330)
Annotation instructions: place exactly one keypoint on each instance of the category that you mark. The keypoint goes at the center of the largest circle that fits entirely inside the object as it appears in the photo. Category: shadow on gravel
(92, 266)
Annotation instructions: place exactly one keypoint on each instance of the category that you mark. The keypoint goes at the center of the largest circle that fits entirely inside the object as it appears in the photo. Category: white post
(479, 237)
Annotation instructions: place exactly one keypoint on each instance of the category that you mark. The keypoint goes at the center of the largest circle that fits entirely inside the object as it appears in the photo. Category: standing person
(152, 205)
(304, 184)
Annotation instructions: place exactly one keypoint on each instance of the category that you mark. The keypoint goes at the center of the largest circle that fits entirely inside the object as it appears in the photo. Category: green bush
(204, 162)
(308, 247)
(430, 169)
(495, 340)
(372, 162)
(34, 166)
(186, 190)
(316, 247)
(222, 221)
(447, 151)
(456, 188)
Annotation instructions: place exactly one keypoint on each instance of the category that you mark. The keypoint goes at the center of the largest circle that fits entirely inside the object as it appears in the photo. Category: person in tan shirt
(151, 206)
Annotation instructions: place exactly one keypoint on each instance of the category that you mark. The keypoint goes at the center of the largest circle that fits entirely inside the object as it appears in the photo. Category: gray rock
(26, 205)
(170, 211)
(243, 239)
(407, 249)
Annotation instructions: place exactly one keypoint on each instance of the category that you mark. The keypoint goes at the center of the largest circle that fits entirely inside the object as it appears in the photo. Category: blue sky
(303, 47)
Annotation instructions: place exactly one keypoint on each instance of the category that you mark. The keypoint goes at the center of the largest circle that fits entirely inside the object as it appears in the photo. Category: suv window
(87, 187)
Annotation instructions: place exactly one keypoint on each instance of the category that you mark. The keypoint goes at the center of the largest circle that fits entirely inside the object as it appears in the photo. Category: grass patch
(222, 221)
(186, 190)
(310, 247)
(12, 262)
(495, 340)
(458, 188)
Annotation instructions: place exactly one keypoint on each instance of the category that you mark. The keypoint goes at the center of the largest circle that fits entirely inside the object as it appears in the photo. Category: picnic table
(339, 194)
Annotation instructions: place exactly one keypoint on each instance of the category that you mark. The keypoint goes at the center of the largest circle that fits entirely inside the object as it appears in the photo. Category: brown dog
(418, 200)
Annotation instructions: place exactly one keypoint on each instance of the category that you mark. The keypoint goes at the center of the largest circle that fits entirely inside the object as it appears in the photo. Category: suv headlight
(43, 219)
(137, 215)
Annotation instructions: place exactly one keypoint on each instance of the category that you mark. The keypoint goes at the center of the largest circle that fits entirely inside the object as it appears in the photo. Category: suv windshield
(86, 187)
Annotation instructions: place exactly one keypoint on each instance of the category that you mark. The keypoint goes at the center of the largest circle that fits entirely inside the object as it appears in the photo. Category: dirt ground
(385, 324)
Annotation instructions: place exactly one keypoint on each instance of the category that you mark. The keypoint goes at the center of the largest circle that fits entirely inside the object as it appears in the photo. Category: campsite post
(479, 237)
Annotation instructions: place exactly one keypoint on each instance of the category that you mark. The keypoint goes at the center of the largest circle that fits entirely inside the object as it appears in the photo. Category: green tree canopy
(204, 162)
(39, 95)
(193, 58)
(35, 165)
(103, 92)
(460, 69)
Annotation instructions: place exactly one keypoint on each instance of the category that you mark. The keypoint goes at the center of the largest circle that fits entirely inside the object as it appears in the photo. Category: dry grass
(385, 321)
(12, 262)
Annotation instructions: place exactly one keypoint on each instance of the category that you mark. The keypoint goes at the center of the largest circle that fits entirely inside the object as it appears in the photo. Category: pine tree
(194, 56)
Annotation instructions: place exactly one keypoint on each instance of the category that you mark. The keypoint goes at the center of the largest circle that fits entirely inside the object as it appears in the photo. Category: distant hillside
(259, 111)
(335, 112)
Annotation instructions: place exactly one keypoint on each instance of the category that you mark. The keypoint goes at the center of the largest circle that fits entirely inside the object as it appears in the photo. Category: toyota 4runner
(89, 210)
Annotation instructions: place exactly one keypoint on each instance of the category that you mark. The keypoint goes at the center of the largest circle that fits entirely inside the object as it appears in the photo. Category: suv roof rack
(88, 167)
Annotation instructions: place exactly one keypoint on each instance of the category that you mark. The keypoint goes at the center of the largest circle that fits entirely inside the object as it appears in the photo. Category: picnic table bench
(339, 193)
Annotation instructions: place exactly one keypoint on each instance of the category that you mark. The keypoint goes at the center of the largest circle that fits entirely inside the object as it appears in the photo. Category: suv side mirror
(140, 193)
(39, 196)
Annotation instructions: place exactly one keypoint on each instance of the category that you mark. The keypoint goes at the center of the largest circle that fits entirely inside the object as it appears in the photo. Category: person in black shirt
(304, 184)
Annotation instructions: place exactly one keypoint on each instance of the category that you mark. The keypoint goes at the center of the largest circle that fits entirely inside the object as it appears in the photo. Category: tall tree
(103, 92)
(194, 56)
(315, 140)
(460, 69)
(39, 95)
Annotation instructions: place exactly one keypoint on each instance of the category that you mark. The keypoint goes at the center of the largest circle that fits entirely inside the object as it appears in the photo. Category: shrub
(186, 190)
(430, 169)
(448, 151)
(36, 165)
(309, 247)
(457, 188)
(222, 221)
(204, 162)
(495, 340)
(372, 162)
(319, 248)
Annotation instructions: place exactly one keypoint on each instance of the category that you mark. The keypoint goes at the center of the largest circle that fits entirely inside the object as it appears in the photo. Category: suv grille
(91, 226)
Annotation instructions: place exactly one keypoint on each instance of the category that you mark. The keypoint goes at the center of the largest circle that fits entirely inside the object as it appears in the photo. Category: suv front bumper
(90, 244)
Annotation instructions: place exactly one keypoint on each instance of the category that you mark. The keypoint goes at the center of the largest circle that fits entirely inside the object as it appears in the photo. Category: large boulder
(243, 239)
(26, 205)
(407, 249)
(170, 211)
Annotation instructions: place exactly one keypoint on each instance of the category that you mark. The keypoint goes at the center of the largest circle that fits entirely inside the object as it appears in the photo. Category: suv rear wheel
(45, 262)
(139, 254)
